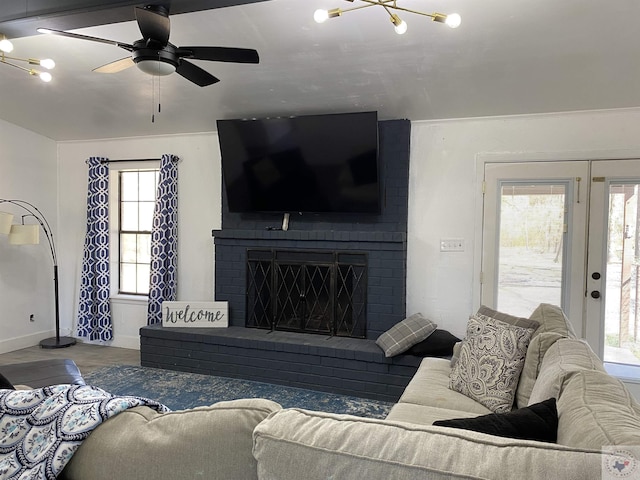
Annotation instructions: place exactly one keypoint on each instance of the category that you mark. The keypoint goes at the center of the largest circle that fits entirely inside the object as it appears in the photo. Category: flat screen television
(313, 163)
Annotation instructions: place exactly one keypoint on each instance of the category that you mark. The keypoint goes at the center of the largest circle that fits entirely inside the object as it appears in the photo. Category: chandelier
(7, 47)
(452, 20)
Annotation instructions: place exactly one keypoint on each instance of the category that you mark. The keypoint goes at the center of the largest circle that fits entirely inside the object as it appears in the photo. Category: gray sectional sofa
(598, 421)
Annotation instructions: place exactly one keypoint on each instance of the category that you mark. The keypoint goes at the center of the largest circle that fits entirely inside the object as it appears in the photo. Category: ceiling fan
(155, 55)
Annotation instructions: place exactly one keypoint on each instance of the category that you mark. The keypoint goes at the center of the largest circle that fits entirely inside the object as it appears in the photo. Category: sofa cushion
(538, 347)
(405, 334)
(536, 422)
(554, 325)
(439, 344)
(294, 444)
(430, 387)
(552, 319)
(507, 318)
(423, 415)
(566, 355)
(491, 359)
(596, 410)
(206, 442)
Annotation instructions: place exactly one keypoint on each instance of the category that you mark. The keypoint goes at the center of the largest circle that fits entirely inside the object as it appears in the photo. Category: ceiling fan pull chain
(153, 99)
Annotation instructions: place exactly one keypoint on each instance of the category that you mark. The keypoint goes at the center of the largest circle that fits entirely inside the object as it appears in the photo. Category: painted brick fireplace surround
(330, 362)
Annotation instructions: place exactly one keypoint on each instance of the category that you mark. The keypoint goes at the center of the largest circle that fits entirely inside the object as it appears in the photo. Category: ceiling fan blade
(195, 74)
(154, 23)
(220, 54)
(115, 67)
(62, 33)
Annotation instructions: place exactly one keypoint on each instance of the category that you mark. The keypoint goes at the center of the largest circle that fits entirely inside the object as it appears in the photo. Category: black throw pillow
(535, 422)
(5, 384)
(439, 344)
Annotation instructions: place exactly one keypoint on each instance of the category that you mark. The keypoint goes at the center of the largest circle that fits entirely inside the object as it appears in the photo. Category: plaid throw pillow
(402, 336)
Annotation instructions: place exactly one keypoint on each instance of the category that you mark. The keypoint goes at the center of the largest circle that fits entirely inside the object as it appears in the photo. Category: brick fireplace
(381, 238)
(276, 332)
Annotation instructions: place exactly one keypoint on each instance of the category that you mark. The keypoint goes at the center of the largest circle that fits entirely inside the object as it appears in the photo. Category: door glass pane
(531, 232)
(622, 335)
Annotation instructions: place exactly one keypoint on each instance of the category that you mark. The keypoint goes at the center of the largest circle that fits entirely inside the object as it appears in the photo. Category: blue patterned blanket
(41, 429)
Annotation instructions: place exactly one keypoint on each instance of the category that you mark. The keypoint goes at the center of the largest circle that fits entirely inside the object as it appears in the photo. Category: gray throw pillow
(491, 359)
(405, 334)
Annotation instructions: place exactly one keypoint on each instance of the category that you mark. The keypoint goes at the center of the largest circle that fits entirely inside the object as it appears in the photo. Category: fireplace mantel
(312, 235)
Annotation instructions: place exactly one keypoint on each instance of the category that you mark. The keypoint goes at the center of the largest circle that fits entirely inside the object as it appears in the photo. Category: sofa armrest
(325, 446)
(43, 373)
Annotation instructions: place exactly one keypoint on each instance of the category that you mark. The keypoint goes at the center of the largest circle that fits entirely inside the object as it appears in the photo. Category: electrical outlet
(452, 244)
(32, 318)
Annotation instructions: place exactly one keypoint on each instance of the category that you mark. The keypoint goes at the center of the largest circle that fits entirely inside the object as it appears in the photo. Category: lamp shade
(24, 235)
(5, 222)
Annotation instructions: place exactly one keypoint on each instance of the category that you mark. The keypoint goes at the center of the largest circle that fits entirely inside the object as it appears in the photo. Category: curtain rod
(132, 160)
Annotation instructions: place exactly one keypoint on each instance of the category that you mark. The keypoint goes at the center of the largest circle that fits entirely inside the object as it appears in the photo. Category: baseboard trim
(26, 341)
(121, 341)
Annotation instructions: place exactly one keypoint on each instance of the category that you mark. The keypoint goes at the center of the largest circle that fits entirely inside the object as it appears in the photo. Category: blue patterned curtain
(164, 240)
(94, 310)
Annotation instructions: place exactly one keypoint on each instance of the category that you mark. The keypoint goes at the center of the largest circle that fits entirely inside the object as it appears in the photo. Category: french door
(566, 233)
(613, 266)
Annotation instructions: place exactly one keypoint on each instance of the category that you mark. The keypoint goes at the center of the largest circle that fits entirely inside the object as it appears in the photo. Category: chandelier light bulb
(5, 45)
(45, 76)
(401, 28)
(453, 20)
(47, 63)
(321, 16)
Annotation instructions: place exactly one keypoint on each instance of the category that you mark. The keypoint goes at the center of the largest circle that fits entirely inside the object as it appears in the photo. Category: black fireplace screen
(307, 291)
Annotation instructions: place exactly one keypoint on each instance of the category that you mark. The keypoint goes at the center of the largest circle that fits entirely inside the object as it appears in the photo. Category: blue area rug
(180, 390)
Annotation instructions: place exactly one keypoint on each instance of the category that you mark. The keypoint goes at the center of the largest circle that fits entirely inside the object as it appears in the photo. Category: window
(137, 196)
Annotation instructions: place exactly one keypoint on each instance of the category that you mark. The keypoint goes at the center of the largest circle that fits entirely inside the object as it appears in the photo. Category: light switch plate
(452, 244)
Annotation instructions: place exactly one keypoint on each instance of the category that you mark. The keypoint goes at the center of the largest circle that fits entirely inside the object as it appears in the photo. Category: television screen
(314, 163)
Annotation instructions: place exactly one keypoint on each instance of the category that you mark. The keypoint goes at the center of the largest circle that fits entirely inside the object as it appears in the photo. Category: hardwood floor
(88, 357)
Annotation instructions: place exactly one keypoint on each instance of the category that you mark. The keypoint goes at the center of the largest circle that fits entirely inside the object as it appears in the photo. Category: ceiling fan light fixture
(156, 67)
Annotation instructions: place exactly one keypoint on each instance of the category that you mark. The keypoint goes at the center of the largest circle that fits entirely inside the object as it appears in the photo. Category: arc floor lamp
(29, 234)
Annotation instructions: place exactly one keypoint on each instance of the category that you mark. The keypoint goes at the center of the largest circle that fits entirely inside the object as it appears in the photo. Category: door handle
(595, 294)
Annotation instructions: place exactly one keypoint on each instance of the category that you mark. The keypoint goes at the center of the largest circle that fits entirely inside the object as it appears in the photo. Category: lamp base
(55, 342)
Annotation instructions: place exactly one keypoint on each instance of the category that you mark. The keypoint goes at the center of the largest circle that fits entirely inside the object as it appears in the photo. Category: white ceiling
(514, 57)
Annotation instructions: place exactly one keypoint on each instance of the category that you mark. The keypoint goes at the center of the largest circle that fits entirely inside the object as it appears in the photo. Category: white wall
(199, 210)
(27, 172)
(445, 195)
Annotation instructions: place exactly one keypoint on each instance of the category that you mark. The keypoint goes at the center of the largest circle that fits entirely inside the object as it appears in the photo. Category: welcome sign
(195, 314)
